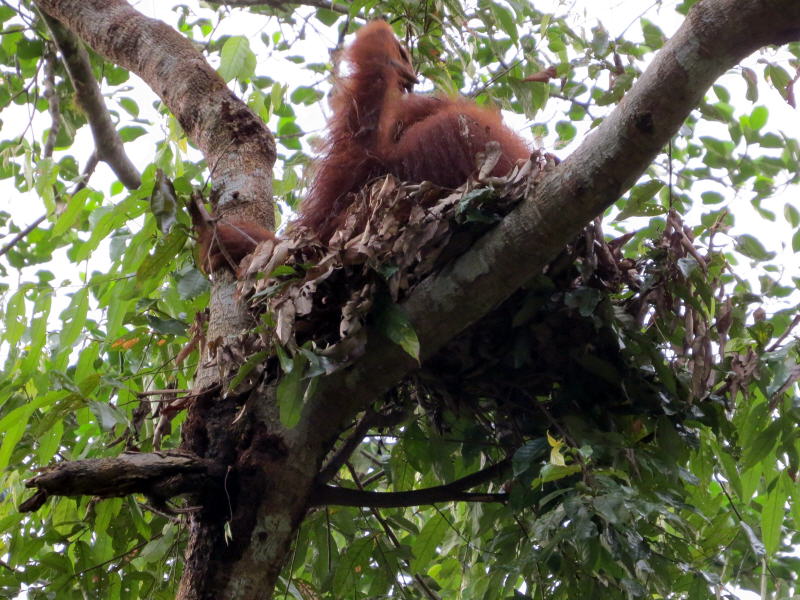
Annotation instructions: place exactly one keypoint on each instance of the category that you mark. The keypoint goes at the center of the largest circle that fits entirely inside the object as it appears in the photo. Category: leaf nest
(390, 238)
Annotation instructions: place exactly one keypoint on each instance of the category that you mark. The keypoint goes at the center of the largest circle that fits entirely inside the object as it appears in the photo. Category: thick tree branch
(158, 475)
(451, 492)
(715, 36)
(89, 97)
(332, 495)
(236, 144)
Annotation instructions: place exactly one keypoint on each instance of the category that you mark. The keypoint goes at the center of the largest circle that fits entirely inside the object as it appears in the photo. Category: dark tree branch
(451, 492)
(22, 234)
(87, 172)
(370, 420)
(157, 475)
(89, 97)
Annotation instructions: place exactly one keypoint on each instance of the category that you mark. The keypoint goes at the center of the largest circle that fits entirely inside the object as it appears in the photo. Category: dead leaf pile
(392, 236)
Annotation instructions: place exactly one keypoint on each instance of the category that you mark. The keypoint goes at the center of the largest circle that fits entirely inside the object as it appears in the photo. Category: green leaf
(327, 17)
(392, 322)
(12, 434)
(15, 320)
(74, 318)
(758, 118)
(306, 95)
(712, 198)
(164, 202)
(779, 78)
(653, 36)
(276, 96)
(792, 215)
(529, 455)
(600, 40)
(253, 361)
(755, 544)
(150, 272)
(191, 284)
(131, 132)
(566, 132)
(774, 512)
(762, 445)
(75, 206)
(584, 299)
(719, 147)
(350, 567)
(752, 248)
(129, 104)
(50, 442)
(166, 326)
(13, 424)
(551, 472)
(687, 266)
(426, 543)
(290, 393)
(107, 415)
(46, 176)
(505, 19)
(157, 549)
(751, 80)
(770, 140)
(639, 203)
(237, 60)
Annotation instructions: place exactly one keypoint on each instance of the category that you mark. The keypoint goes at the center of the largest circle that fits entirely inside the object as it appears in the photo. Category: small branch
(162, 393)
(16, 239)
(777, 343)
(157, 475)
(368, 421)
(87, 172)
(451, 492)
(327, 495)
(53, 104)
(90, 99)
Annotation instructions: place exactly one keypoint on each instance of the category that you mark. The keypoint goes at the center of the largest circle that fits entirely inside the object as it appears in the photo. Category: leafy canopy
(648, 389)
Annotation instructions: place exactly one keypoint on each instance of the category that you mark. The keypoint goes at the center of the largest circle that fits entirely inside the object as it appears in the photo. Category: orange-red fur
(224, 245)
(378, 126)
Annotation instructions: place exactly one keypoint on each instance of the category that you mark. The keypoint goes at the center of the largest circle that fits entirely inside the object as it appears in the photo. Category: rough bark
(238, 147)
(272, 471)
(158, 476)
